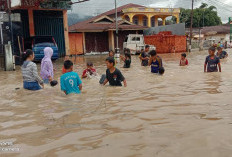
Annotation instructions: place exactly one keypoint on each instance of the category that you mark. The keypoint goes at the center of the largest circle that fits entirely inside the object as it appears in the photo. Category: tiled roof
(223, 29)
(89, 26)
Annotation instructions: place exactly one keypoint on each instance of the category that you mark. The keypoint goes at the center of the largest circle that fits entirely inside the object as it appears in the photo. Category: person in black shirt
(126, 59)
(221, 54)
(113, 75)
(144, 56)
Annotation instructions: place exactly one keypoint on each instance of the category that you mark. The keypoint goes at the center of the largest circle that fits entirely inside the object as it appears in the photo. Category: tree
(202, 16)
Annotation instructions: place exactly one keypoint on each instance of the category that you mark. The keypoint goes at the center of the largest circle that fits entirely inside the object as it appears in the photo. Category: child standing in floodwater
(156, 63)
(183, 60)
(31, 79)
(126, 59)
(89, 71)
(113, 75)
(212, 62)
(47, 66)
(144, 56)
(70, 82)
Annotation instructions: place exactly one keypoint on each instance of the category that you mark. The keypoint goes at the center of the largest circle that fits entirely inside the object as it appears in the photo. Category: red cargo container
(165, 42)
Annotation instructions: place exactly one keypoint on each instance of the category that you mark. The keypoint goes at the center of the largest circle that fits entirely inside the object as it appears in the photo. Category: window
(144, 21)
(153, 22)
(136, 39)
(136, 20)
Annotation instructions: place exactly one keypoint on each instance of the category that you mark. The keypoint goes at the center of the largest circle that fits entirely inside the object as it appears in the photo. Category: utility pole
(10, 25)
(116, 20)
(230, 22)
(191, 29)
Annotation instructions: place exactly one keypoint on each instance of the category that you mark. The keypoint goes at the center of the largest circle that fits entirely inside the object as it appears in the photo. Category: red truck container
(165, 42)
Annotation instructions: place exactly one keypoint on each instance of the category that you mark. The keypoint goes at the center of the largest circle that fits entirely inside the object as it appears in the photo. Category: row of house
(97, 34)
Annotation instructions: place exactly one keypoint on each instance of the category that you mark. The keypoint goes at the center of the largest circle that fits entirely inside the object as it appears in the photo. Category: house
(217, 33)
(97, 34)
(38, 17)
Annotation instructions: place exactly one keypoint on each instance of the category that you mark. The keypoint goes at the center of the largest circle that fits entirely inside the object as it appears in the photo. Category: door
(51, 23)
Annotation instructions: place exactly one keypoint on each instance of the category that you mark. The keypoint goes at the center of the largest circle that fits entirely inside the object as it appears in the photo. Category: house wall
(96, 42)
(76, 43)
(218, 37)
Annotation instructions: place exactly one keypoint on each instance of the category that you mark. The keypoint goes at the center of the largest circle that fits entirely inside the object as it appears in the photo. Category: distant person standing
(221, 54)
(226, 45)
(144, 57)
(212, 62)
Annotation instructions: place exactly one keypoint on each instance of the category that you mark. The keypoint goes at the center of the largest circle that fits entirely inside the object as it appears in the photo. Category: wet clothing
(114, 78)
(90, 71)
(46, 64)
(155, 65)
(103, 78)
(127, 63)
(212, 64)
(183, 62)
(31, 78)
(222, 55)
(144, 62)
(70, 82)
(31, 85)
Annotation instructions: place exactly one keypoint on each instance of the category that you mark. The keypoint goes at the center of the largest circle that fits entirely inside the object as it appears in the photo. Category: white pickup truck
(135, 42)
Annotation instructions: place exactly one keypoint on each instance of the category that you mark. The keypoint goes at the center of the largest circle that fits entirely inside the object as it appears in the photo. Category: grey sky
(94, 7)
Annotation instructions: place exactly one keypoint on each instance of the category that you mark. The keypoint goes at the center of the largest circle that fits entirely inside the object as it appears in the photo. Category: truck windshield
(44, 41)
(136, 39)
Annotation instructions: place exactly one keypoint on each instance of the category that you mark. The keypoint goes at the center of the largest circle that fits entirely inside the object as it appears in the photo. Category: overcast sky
(95, 7)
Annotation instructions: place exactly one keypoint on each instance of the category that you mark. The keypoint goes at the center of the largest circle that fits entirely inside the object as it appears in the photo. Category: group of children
(70, 81)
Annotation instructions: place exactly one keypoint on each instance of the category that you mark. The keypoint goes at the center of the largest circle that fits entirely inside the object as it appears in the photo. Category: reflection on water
(185, 113)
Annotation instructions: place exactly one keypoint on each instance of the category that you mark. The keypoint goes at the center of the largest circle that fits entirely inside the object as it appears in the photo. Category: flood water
(185, 113)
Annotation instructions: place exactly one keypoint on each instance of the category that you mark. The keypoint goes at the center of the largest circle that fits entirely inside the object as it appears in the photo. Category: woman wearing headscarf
(47, 66)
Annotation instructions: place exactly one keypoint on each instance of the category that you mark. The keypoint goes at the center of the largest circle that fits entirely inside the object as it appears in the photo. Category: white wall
(219, 37)
(15, 3)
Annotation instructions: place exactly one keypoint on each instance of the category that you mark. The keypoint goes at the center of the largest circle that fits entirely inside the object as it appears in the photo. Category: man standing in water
(144, 57)
(212, 62)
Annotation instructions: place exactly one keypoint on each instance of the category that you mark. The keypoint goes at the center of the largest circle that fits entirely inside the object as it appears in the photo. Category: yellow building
(149, 16)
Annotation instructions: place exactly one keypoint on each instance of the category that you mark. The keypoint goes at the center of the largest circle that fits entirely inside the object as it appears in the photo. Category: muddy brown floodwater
(185, 113)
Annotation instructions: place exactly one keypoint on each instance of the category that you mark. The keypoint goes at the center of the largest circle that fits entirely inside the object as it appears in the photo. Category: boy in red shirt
(183, 60)
(89, 71)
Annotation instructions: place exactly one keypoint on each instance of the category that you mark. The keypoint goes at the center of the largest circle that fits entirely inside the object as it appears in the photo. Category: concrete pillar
(163, 20)
(66, 38)
(149, 21)
(111, 40)
(177, 19)
(31, 22)
(84, 45)
(9, 65)
(156, 21)
(131, 17)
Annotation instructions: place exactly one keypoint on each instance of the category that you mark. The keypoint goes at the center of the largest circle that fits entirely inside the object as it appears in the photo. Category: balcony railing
(151, 10)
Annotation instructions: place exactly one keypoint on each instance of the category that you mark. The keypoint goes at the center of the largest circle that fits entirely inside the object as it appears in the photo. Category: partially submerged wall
(165, 42)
